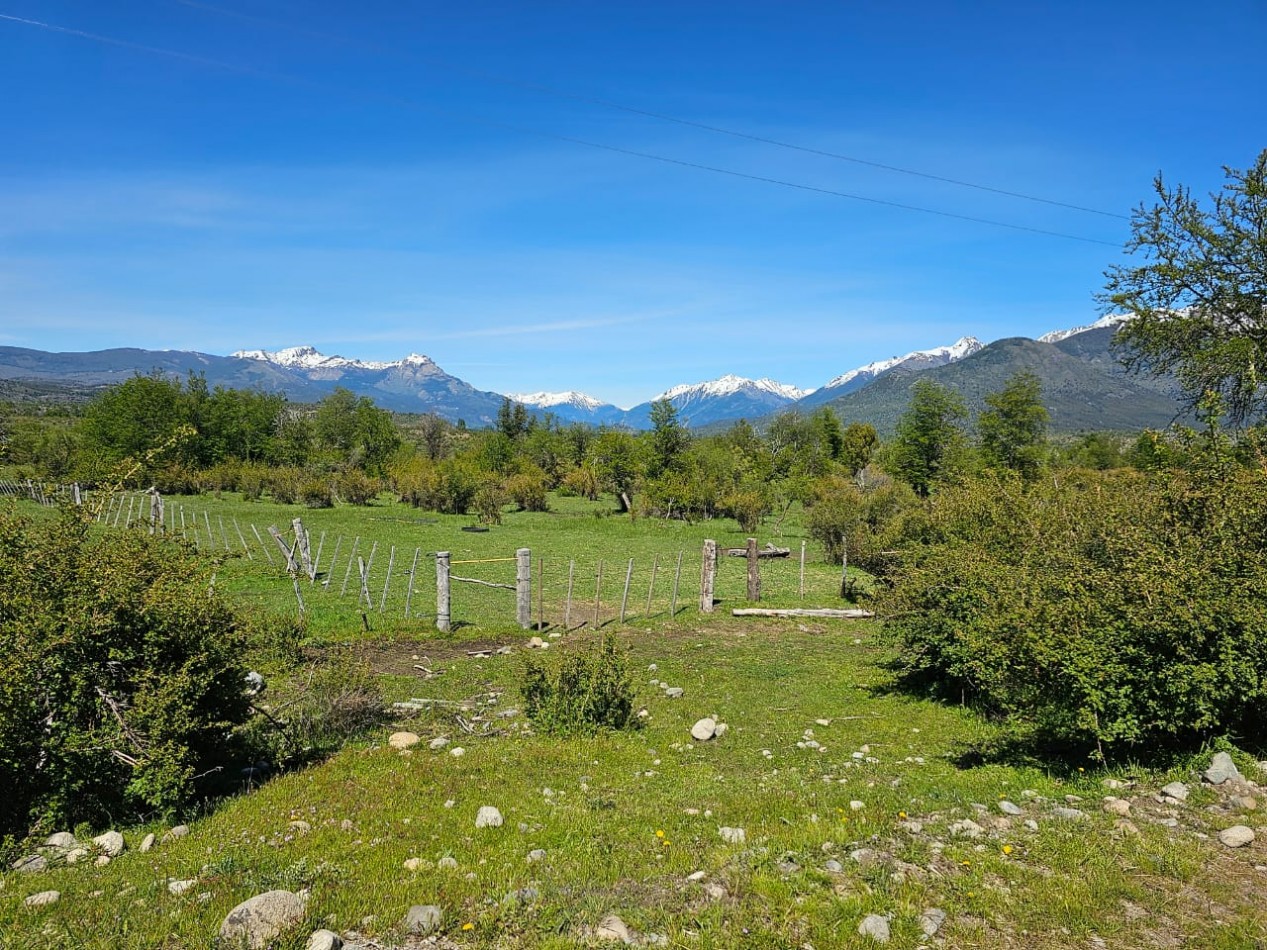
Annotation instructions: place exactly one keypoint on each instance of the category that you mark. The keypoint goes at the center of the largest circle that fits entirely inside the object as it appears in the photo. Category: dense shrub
(120, 678)
(357, 488)
(316, 492)
(528, 491)
(490, 499)
(580, 482)
(284, 483)
(867, 523)
(587, 691)
(1118, 609)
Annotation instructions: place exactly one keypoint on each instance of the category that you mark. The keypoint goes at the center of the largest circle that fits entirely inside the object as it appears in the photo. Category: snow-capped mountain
(911, 362)
(308, 357)
(1113, 320)
(571, 406)
(718, 400)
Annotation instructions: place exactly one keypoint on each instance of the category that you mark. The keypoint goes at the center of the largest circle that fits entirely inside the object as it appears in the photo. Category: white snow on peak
(730, 384)
(1112, 320)
(546, 400)
(308, 357)
(964, 346)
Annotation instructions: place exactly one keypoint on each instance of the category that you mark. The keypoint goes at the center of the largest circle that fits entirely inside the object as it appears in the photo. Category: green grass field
(841, 820)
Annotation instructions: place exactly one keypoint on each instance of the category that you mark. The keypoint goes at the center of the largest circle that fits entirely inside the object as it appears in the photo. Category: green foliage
(490, 499)
(120, 678)
(866, 523)
(928, 436)
(355, 432)
(527, 489)
(1199, 301)
(669, 438)
(588, 691)
(1118, 608)
(1012, 427)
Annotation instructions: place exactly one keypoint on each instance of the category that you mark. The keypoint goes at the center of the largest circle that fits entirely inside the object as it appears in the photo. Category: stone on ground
(110, 843)
(43, 898)
(488, 817)
(402, 740)
(439, 742)
(876, 927)
(147, 842)
(324, 940)
(704, 729)
(1222, 769)
(613, 928)
(179, 887)
(258, 920)
(423, 919)
(931, 920)
(1237, 836)
(62, 840)
(32, 862)
(733, 835)
(180, 831)
(1010, 808)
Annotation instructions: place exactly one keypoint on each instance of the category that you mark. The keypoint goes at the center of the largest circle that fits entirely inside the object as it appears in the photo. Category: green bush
(316, 493)
(528, 490)
(1115, 609)
(121, 680)
(357, 488)
(869, 524)
(587, 691)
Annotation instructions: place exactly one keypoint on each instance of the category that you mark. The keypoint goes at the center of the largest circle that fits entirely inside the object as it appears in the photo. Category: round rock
(733, 835)
(1237, 836)
(704, 729)
(258, 920)
(110, 843)
(423, 919)
(62, 840)
(931, 920)
(43, 898)
(403, 740)
(875, 927)
(613, 928)
(324, 940)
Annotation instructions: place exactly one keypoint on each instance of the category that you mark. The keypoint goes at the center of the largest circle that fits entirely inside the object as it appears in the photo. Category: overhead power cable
(650, 113)
(525, 130)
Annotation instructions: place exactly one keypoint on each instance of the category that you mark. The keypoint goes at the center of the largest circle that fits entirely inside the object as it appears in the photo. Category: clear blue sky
(360, 182)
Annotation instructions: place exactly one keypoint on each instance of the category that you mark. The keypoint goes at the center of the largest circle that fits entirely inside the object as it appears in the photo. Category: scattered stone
(612, 928)
(674, 692)
(43, 898)
(1117, 806)
(254, 683)
(715, 891)
(300, 826)
(488, 817)
(536, 854)
(1069, 814)
(733, 835)
(110, 843)
(324, 940)
(651, 667)
(856, 806)
(347, 824)
(1010, 808)
(834, 866)
(875, 927)
(1124, 826)
(1222, 769)
(931, 920)
(1113, 784)
(967, 828)
(180, 831)
(62, 840)
(29, 864)
(536, 643)
(1031, 824)
(1237, 836)
(448, 863)
(1176, 790)
(438, 743)
(423, 919)
(413, 864)
(457, 752)
(696, 876)
(863, 856)
(911, 827)
(703, 729)
(403, 740)
(179, 887)
(720, 730)
(74, 855)
(147, 842)
(1244, 802)
(258, 920)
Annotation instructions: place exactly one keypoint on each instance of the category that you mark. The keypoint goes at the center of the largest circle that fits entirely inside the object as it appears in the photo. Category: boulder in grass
(258, 921)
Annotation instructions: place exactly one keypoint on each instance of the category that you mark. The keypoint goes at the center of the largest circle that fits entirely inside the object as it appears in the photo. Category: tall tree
(928, 435)
(1013, 426)
(668, 437)
(1199, 299)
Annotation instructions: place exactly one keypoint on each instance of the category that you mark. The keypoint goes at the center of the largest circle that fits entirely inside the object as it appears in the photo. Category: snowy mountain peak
(308, 357)
(964, 346)
(1112, 320)
(547, 400)
(729, 384)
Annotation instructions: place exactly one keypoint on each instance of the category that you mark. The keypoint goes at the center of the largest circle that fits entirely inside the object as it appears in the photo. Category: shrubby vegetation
(586, 692)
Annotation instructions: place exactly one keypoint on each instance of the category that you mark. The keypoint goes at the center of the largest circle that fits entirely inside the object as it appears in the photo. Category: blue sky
(379, 177)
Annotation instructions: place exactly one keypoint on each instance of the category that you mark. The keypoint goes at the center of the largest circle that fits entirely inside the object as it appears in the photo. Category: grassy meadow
(845, 789)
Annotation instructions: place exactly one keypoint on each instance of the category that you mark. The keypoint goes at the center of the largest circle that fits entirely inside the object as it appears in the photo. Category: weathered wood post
(156, 510)
(74, 490)
(655, 563)
(409, 592)
(303, 542)
(754, 571)
(224, 535)
(567, 608)
(598, 591)
(254, 530)
(351, 560)
(316, 563)
(844, 574)
(241, 537)
(802, 570)
(677, 576)
(624, 598)
(334, 559)
(391, 562)
(541, 593)
(365, 577)
(708, 575)
(523, 588)
(442, 591)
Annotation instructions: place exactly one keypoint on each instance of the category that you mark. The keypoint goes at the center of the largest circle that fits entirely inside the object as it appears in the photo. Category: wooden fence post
(302, 541)
(541, 593)
(351, 560)
(708, 575)
(442, 591)
(567, 609)
(334, 559)
(242, 538)
(409, 593)
(754, 571)
(391, 562)
(802, 570)
(655, 562)
(844, 574)
(156, 511)
(598, 592)
(677, 576)
(624, 598)
(316, 564)
(523, 588)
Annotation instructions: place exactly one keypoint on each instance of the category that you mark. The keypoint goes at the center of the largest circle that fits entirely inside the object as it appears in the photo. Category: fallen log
(768, 551)
(851, 613)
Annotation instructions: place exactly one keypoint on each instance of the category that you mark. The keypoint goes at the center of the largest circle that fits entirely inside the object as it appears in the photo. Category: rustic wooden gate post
(754, 571)
(707, 576)
(523, 588)
(442, 591)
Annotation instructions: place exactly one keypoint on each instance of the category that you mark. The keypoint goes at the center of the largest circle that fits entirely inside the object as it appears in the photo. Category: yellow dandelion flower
(468, 926)
(1007, 849)
(659, 834)
(901, 814)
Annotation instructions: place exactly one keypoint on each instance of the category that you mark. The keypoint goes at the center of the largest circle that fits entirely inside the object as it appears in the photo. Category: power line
(652, 114)
(524, 130)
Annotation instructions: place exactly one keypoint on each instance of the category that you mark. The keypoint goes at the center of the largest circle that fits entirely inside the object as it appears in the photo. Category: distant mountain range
(1083, 386)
